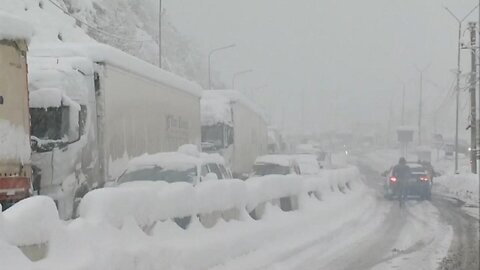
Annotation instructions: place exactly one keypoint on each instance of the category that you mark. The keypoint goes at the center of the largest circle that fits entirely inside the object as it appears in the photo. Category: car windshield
(268, 169)
(159, 174)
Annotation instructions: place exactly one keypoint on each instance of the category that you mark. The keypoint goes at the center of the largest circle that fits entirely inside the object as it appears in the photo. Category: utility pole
(303, 111)
(472, 26)
(160, 33)
(457, 86)
(390, 120)
(420, 105)
(403, 105)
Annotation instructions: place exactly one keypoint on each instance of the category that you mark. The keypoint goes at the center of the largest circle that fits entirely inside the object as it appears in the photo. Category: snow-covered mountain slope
(130, 25)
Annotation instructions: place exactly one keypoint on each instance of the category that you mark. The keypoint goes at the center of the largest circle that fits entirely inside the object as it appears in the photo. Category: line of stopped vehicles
(74, 118)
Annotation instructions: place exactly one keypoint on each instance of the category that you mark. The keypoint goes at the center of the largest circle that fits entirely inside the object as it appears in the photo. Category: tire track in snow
(277, 255)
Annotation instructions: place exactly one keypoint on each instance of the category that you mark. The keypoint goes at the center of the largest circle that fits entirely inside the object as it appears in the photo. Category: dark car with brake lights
(419, 183)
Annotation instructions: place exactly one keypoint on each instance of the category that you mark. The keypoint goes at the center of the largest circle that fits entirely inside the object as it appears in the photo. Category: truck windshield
(159, 174)
(268, 169)
(49, 124)
(213, 134)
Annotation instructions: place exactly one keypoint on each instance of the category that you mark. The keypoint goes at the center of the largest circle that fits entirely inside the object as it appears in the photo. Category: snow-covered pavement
(455, 202)
(352, 227)
(463, 186)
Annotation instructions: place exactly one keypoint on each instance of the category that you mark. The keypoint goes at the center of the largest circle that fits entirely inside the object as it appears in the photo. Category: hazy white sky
(349, 57)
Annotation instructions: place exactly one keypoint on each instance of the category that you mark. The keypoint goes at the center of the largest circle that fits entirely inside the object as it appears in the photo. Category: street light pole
(457, 86)
(160, 33)
(236, 74)
(420, 104)
(210, 62)
(403, 105)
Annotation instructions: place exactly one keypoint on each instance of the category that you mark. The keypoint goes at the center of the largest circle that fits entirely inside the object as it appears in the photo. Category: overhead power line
(91, 27)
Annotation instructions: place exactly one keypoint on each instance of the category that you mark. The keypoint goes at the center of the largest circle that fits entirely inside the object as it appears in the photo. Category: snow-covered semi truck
(233, 126)
(15, 167)
(94, 108)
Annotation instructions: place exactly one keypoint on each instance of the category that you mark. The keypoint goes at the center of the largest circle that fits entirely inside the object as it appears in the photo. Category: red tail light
(423, 178)
(393, 179)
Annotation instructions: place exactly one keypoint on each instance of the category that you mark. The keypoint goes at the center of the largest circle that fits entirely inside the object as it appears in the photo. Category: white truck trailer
(15, 167)
(94, 108)
(235, 127)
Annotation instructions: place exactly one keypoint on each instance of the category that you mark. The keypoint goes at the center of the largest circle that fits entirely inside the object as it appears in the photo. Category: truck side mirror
(33, 143)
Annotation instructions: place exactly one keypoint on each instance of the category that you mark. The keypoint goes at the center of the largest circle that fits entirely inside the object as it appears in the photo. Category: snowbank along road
(346, 224)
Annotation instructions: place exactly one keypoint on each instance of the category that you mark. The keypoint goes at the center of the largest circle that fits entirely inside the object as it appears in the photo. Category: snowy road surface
(351, 229)
(383, 236)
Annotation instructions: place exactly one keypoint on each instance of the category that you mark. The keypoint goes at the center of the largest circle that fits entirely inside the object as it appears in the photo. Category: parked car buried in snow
(308, 164)
(176, 167)
(215, 163)
(170, 167)
(275, 164)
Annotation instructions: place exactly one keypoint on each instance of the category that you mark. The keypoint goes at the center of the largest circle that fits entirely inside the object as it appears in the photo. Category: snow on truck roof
(12, 28)
(103, 53)
(215, 109)
(216, 106)
(282, 160)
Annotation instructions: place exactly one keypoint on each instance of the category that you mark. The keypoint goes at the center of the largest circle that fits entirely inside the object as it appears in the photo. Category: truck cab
(63, 112)
(235, 127)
